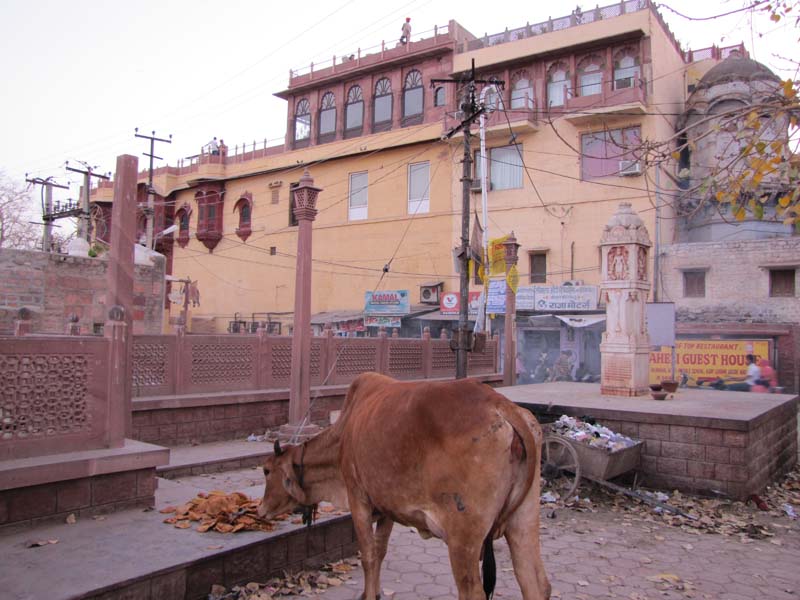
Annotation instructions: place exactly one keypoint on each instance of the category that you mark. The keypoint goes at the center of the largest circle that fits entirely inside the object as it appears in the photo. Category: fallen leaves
(218, 511)
(303, 583)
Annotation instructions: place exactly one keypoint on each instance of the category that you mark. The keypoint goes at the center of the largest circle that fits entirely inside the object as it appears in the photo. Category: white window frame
(421, 204)
(358, 196)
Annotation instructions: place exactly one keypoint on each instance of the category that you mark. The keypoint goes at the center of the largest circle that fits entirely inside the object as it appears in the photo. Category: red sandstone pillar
(120, 281)
(305, 200)
(510, 247)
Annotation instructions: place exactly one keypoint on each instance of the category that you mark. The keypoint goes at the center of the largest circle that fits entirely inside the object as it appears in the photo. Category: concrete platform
(701, 441)
(214, 457)
(133, 555)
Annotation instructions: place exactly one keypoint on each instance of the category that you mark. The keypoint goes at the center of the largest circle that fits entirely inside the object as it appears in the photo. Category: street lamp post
(305, 211)
(510, 250)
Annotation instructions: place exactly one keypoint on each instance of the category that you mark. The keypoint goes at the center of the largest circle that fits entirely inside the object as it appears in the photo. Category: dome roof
(736, 68)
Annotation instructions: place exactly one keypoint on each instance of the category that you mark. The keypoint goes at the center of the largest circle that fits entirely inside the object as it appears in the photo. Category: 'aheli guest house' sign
(387, 302)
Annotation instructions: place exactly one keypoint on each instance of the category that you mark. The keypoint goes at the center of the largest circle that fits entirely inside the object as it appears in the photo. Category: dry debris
(304, 583)
(750, 520)
(222, 512)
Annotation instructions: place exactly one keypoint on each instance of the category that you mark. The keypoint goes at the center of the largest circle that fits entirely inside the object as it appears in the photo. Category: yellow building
(581, 96)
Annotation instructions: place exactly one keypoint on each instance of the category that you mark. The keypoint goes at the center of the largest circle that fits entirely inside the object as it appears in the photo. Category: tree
(16, 203)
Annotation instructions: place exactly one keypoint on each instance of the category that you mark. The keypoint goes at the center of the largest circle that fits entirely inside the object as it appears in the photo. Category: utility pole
(150, 209)
(471, 111)
(88, 173)
(47, 209)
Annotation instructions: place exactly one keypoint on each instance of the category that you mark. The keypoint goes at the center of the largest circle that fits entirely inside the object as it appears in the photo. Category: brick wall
(55, 286)
(708, 459)
(737, 282)
(85, 497)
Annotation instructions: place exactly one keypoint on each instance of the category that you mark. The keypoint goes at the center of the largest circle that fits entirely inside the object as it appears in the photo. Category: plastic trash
(789, 510)
(548, 497)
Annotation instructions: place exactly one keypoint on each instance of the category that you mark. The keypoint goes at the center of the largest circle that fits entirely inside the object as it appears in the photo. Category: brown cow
(455, 460)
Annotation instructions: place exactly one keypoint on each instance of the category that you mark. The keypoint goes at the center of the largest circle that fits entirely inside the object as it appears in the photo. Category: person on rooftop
(406, 36)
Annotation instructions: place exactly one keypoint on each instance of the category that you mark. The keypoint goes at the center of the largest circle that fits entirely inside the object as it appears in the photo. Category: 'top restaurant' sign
(387, 302)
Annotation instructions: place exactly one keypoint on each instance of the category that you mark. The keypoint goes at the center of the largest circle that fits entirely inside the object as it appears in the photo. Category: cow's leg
(361, 514)
(383, 530)
(465, 554)
(522, 534)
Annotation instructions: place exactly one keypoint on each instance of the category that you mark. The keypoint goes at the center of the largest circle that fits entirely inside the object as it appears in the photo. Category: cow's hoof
(364, 596)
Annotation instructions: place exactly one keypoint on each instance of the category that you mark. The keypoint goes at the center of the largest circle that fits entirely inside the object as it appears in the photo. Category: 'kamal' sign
(387, 302)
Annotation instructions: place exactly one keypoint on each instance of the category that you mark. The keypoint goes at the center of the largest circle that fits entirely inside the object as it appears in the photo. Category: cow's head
(282, 492)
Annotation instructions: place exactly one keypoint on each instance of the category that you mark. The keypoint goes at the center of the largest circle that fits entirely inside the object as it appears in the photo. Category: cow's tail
(489, 570)
(532, 461)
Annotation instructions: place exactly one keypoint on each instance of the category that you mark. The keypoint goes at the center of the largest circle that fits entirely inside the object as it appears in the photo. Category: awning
(580, 320)
(438, 316)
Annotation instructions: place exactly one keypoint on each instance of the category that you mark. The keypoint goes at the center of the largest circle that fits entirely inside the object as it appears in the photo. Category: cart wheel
(561, 471)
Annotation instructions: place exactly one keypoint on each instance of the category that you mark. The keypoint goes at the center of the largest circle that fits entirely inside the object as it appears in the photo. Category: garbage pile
(594, 435)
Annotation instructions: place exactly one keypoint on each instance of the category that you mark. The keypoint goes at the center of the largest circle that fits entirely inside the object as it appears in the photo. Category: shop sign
(526, 298)
(705, 361)
(387, 302)
(382, 321)
(450, 303)
(565, 297)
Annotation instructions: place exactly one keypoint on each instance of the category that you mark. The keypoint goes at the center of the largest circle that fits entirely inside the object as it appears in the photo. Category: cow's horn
(277, 448)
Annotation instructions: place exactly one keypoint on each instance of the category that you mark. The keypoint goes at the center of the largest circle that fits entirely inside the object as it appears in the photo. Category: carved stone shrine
(625, 286)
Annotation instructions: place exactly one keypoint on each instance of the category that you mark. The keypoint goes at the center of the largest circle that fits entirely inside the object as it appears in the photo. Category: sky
(79, 76)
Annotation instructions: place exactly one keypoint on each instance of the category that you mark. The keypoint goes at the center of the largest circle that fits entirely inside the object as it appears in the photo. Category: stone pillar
(625, 285)
(120, 273)
(510, 249)
(305, 200)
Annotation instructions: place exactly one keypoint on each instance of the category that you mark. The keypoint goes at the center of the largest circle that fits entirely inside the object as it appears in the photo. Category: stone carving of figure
(618, 263)
(641, 264)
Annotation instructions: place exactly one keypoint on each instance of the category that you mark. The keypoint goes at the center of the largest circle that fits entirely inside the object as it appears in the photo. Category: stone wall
(55, 286)
(737, 280)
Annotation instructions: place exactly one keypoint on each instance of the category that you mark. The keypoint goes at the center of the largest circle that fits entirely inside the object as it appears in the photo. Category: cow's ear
(291, 484)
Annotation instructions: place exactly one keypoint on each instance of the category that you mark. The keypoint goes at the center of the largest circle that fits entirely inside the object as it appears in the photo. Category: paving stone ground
(603, 555)
(599, 554)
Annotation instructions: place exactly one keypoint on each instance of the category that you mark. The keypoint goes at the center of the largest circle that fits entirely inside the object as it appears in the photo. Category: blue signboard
(496, 299)
(387, 302)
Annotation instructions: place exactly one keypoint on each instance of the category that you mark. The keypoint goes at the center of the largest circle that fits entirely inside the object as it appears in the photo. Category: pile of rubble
(594, 435)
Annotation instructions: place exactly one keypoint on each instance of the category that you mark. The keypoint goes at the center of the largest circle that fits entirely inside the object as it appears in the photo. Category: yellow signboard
(705, 361)
(497, 253)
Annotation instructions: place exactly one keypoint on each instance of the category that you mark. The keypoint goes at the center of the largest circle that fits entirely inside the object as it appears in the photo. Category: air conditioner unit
(429, 294)
(628, 168)
(573, 282)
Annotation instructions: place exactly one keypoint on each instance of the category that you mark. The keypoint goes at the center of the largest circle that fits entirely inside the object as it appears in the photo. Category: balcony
(620, 97)
(505, 120)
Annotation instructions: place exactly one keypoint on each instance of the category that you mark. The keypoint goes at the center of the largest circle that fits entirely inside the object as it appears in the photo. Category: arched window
(354, 112)
(490, 99)
(558, 85)
(413, 98)
(590, 76)
(438, 96)
(626, 69)
(302, 122)
(182, 219)
(382, 118)
(244, 205)
(521, 91)
(327, 117)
